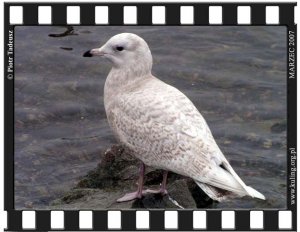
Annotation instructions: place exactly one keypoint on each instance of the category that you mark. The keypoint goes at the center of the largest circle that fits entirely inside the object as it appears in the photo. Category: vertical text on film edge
(10, 55)
(291, 51)
(292, 176)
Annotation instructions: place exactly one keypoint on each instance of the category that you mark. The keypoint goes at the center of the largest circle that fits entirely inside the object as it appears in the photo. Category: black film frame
(144, 17)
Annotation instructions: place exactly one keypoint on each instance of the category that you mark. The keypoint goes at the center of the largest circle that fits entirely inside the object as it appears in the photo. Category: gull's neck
(122, 76)
(122, 80)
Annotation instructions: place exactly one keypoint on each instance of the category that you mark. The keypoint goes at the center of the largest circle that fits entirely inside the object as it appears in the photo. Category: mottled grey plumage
(159, 124)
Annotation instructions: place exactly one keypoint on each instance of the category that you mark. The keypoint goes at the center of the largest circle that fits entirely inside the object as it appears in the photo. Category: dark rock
(201, 199)
(117, 174)
(179, 191)
(153, 201)
(116, 166)
(73, 195)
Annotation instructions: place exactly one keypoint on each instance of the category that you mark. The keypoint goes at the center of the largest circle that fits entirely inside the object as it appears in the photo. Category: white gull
(160, 125)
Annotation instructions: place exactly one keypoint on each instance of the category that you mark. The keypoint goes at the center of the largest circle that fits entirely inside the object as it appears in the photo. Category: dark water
(236, 77)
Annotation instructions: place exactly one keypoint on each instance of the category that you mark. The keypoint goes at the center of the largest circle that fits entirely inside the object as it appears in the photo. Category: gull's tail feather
(222, 183)
(221, 195)
(254, 193)
(250, 191)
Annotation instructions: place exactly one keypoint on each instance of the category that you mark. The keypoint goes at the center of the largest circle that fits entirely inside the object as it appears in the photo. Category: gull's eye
(120, 48)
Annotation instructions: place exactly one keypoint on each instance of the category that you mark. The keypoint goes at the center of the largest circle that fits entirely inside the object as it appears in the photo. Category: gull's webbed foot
(130, 196)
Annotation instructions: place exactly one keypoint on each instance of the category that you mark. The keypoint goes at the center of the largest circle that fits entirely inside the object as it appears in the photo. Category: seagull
(160, 125)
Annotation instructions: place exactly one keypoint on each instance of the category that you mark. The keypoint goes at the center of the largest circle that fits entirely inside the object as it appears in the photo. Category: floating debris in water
(252, 137)
(267, 143)
(227, 142)
(65, 48)
(69, 31)
(278, 127)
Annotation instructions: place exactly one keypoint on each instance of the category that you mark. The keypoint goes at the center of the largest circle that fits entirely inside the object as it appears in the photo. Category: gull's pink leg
(139, 192)
(163, 187)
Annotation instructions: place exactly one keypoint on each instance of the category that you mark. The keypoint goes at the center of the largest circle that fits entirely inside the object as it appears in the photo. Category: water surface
(236, 77)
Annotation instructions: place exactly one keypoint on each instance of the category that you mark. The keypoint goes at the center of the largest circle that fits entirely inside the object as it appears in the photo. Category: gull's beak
(94, 52)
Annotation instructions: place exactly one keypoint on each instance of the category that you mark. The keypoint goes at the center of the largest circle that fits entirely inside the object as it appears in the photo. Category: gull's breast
(160, 125)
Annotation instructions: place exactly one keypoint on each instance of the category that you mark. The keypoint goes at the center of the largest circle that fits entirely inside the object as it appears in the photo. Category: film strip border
(156, 220)
(152, 14)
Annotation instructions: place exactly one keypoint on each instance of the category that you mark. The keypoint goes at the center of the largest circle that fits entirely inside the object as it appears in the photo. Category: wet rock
(201, 199)
(117, 174)
(116, 166)
(179, 191)
(74, 195)
(89, 199)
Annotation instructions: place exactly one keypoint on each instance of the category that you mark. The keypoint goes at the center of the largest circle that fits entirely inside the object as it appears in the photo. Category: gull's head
(125, 51)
